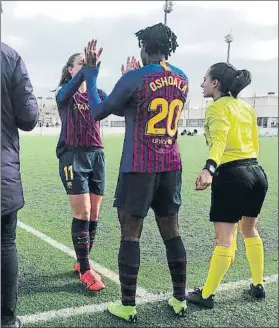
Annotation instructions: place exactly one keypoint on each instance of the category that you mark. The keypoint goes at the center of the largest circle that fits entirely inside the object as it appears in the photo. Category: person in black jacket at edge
(19, 110)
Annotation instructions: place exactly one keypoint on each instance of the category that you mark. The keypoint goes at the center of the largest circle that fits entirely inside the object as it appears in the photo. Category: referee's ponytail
(242, 79)
(232, 81)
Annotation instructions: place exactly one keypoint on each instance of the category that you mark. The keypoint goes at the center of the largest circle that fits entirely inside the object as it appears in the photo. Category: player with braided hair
(151, 99)
(81, 164)
(157, 39)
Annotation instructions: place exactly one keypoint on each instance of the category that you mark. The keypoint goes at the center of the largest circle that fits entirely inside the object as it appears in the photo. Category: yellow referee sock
(219, 265)
(255, 256)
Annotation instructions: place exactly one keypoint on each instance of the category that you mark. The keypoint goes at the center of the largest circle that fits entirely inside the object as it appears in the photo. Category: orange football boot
(87, 279)
(95, 274)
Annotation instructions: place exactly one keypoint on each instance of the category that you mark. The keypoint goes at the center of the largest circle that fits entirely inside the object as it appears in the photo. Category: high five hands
(92, 58)
(92, 55)
(131, 64)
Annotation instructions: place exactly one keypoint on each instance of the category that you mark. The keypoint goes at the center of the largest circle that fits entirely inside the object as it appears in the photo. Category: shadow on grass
(61, 282)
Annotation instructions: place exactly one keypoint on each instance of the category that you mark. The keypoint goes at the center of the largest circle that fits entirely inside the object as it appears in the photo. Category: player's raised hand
(92, 55)
(131, 65)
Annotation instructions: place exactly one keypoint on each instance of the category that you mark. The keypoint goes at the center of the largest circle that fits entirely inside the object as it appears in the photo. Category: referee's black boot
(196, 298)
(257, 292)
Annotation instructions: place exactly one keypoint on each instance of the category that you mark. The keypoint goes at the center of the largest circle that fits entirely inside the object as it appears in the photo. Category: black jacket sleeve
(24, 102)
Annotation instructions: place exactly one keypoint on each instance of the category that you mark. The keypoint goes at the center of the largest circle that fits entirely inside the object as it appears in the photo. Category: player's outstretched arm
(104, 97)
(66, 91)
(115, 102)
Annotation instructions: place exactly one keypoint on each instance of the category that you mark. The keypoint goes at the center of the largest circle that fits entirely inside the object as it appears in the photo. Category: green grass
(46, 278)
(232, 310)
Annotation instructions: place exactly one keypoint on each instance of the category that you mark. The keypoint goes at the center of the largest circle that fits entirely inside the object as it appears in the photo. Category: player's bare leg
(129, 262)
(234, 243)
(254, 254)
(81, 208)
(176, 255)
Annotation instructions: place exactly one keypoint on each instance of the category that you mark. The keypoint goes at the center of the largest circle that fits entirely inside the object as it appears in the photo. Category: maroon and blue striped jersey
(151, 99)
(79, 129)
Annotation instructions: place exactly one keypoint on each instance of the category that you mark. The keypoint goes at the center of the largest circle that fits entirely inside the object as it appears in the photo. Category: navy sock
(128, 263)
(80, 238)
(92, 233)
(177, 262)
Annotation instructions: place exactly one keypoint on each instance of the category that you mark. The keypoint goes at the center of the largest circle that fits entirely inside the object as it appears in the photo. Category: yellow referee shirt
(231, 130)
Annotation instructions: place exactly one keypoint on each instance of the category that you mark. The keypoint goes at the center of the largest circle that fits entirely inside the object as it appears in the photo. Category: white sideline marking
(97, 308)
(141, 292)
(144, 296)
(243, 283)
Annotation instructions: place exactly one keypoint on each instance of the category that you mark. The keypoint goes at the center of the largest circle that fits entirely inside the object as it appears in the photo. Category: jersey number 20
(167, 112)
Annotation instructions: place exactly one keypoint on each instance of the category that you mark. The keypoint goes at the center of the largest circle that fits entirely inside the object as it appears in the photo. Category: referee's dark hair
(232, 81)
(157, 40)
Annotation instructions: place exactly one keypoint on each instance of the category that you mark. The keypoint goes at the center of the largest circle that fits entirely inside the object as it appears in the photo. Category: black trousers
(9, 268)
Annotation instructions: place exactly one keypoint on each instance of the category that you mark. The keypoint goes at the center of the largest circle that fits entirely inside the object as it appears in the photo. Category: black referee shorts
(137, 192)
(238, 189)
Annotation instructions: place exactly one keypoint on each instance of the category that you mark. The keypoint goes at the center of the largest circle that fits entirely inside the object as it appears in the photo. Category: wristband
(210, 166)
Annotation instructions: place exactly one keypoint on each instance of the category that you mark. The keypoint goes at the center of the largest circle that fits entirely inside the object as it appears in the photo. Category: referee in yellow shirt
(239, 184)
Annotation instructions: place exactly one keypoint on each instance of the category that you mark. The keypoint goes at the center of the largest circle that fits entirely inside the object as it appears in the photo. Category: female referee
(81, 164)
(239, 184)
